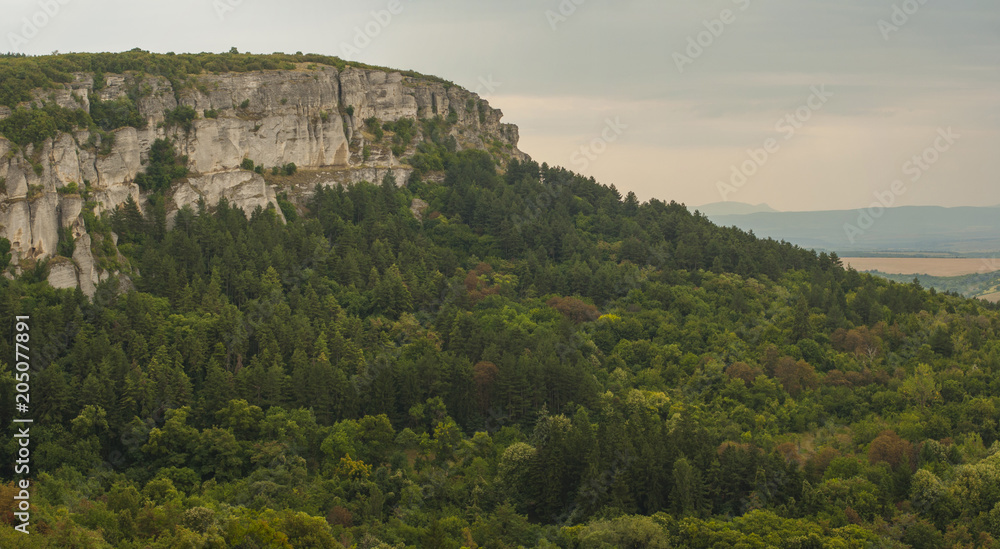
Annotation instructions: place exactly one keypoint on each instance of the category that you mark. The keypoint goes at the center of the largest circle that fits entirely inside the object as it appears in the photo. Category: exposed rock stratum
(313, 116)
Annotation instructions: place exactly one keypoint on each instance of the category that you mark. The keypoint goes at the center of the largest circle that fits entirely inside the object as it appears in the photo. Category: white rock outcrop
(313, 116)
(62, 274)
(87, 272)
(242, 189)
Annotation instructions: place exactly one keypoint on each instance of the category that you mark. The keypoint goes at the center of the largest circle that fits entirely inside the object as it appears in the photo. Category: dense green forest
(537, 362)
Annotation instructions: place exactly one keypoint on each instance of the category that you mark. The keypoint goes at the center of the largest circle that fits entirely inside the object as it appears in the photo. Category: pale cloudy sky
(677, 125)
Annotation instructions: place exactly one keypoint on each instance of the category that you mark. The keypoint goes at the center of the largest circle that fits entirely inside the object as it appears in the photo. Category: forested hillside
(982, 285)
(531, 360)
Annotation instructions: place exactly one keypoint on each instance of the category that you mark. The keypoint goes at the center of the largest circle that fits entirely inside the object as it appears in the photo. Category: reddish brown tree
(340, 516)
(484, 375)
(889, 448)
(574, 309)
(794, 376)
(789, 451)
(743, 372)
(864, 343)
(818, 462)
(477, 285)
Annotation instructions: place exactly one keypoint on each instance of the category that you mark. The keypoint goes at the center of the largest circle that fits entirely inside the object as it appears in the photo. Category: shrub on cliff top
(35, 125)
(20, 74)
(111, 115)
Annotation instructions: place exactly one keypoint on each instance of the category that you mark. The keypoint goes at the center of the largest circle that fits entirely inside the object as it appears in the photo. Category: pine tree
(801, 329)
(687, 495)
(391, 296)
(219, 389)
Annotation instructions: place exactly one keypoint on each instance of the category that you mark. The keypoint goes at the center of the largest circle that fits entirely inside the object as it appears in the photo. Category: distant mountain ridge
(902, 230)
(733, 208)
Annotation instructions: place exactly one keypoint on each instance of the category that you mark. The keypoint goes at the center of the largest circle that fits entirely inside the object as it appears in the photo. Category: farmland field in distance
(971, 277)
(933, 266)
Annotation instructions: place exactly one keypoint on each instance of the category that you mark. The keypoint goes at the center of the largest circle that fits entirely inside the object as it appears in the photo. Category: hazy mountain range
(930, 230)
(733, 208)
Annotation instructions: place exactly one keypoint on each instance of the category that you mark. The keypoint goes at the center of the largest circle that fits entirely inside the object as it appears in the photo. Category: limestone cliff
(313, 116)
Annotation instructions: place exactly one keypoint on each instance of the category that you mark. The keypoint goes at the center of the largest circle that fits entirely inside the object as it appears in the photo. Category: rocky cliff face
(313, 116)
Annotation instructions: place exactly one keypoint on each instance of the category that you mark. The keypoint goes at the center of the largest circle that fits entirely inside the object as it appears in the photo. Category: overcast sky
(653, 113)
